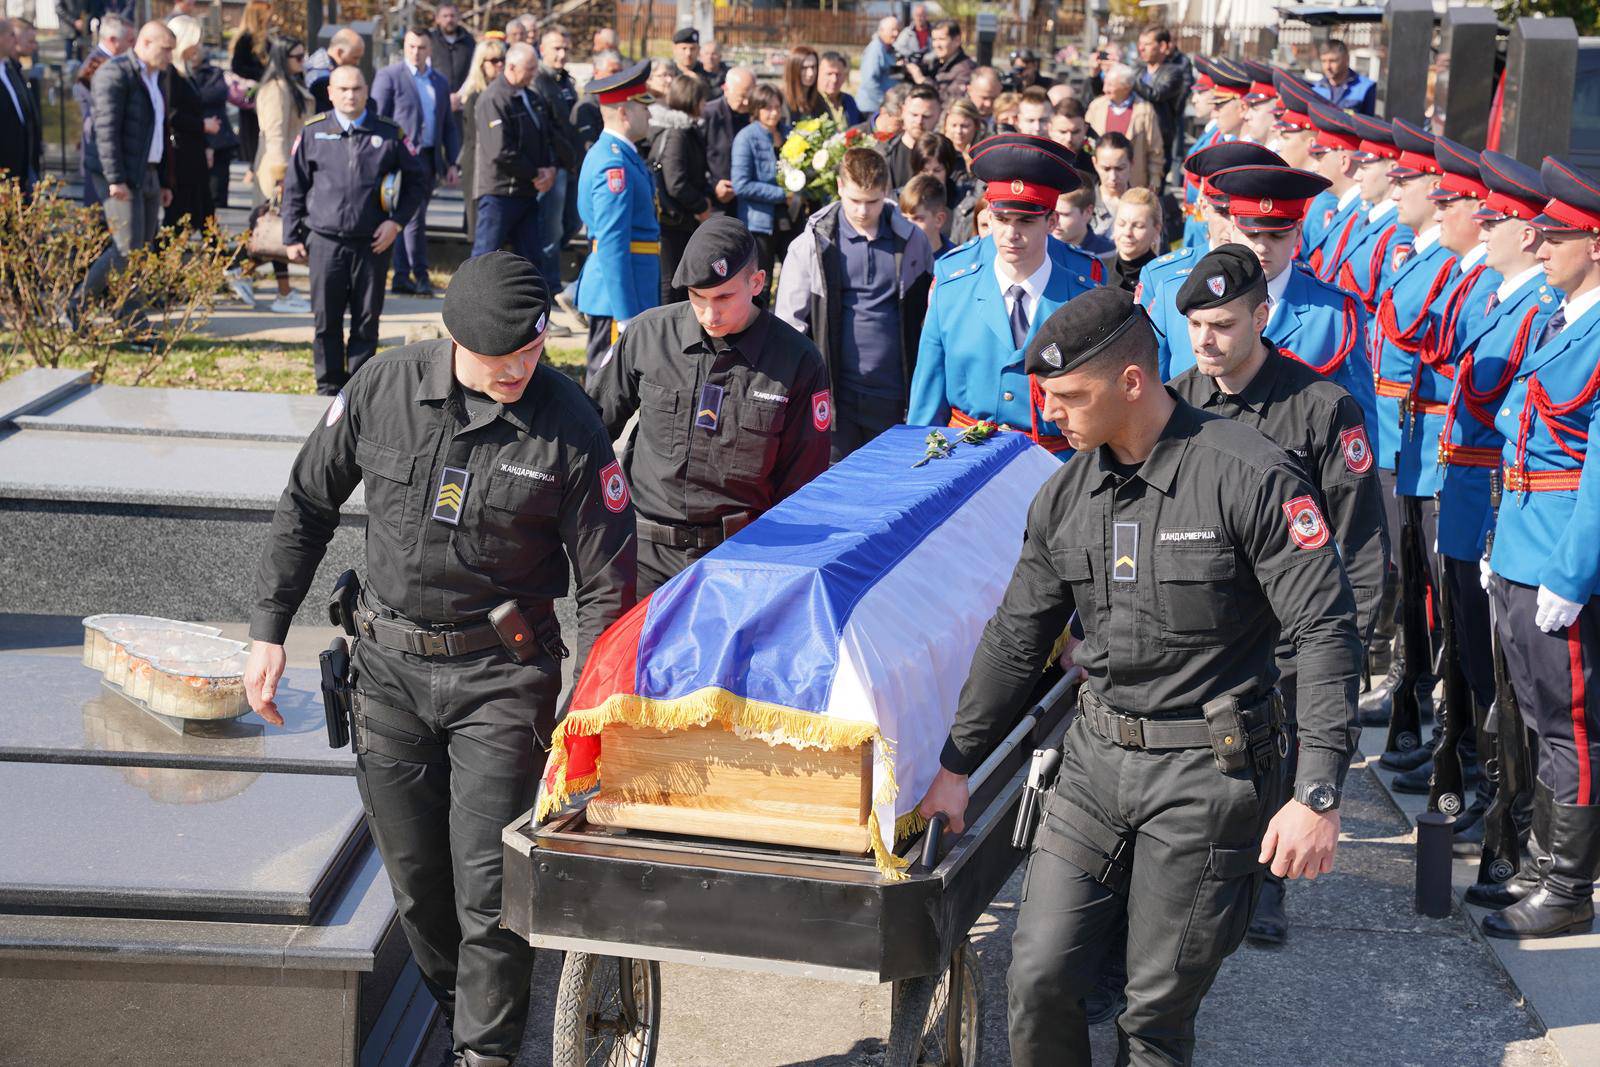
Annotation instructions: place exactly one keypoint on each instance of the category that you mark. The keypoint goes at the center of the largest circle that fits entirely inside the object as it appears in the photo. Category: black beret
(1082, 328)
(687, 35)
(496, 304)
(1223, 275)
(717, 251)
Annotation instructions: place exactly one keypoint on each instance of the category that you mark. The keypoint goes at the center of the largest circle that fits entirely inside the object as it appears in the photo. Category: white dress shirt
(1575, 308)
(1032, 287)
(1517, 281)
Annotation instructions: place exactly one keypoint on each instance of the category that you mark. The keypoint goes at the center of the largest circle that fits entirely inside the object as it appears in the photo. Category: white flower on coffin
(795, 180)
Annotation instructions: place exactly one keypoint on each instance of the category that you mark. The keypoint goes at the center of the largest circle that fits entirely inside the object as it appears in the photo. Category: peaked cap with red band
(1023, 173)
(1416, 151)
(1201, 165)
(624, 85)
(1268, 198)
(1461, 177)
(1229, 79)
(1262, 86)
(1377, 138)
(1335, 130)
(1297, 97)
(1574, 205)
(1516, 190)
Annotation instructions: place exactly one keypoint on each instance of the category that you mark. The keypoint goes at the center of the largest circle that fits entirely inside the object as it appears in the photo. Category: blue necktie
(1019, 316)
(1553, 327)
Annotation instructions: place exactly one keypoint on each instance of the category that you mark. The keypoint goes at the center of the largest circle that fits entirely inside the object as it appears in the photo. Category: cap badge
(720, 266)
(1217, 284)
(1265, 205)
(1051, 355)
(538, 327)
(377, 142)
(1017, 186)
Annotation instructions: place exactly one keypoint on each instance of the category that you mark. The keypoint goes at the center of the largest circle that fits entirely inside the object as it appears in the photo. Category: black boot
(1419, 779)
(1535, 860)
(1373, 706)
(1269, 924)
(1564, 900)
(1411, 760)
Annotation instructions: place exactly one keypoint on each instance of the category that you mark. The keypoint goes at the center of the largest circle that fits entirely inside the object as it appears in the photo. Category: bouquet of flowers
(808, 162)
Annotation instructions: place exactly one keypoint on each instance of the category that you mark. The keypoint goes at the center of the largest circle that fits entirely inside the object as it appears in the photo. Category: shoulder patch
(1357, 453)
(1307, 527)
(616, 179)
(614, 487)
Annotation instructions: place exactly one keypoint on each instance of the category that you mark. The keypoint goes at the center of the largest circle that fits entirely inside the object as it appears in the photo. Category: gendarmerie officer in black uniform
(734, 405)
(1181, 539)
(486, 475)
(338, 215)
(1241, 375)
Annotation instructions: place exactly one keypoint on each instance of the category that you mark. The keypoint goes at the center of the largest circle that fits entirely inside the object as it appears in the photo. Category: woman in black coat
(683, 186)
(187, 129)
(223, 145)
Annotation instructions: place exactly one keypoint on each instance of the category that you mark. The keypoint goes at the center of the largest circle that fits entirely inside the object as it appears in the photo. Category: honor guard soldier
(1546, 571)
(1227, 91)
(1497, 331)
(734, 406)
(1242, 375)
(485, 475)
(341, 214)
(1203, 104)
(1261, 101)
(984, 307)
(617, 201)
(1160, 278)
(1383, 243)
(1189, 546)
(1295, 136)
(1334, 155)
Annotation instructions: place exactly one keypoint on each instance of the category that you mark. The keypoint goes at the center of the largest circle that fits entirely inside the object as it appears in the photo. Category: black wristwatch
(1318, 796)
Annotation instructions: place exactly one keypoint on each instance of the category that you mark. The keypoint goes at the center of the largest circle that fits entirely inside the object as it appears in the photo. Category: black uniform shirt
(1180, 574)
(539, 474)
(768, 397)
(332, 184)
(1319, 424)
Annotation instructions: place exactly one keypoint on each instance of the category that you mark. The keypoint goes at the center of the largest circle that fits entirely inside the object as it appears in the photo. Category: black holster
(336, 691)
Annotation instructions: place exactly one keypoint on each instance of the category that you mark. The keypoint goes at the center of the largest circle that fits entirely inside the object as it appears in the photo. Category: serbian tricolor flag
(846, 615)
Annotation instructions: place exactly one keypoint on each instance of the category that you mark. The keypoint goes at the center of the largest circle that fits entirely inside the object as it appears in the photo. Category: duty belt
(1522, 480)
(1464, 456)
(403, 635)
(1136, 731)
(642, 248)
(696, 537)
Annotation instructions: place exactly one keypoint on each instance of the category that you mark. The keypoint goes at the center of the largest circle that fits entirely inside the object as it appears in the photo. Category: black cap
(1270, 199)
(626, 84)
(1223, 275)
(718, 250)
(1416, 151)
(1460, 166)
(1082, 328)
(1574, 205)
(1516, 190)
(1229, 77)
(496, 304)
(1377, 137)
(1296, 96)
(1203, 164)
(1023, 173)
(1336, 130)
(687, 35)
(1262, 84)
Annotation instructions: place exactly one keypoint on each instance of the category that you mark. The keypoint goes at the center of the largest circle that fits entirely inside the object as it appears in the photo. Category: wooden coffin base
(709, 782)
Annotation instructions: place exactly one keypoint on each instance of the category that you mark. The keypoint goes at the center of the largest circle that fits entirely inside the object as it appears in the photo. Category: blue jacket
(1548, 538)
(966, 359)
(1359, 93)
(1157, 291)
(1323, 207)
(1338, 235)
(617, 202)
(877, 65)
(1379, 251)
(1458, 310)
(1400, 328)
(755, 178)
(395, 97)
(1487, 355)
(1194, 228)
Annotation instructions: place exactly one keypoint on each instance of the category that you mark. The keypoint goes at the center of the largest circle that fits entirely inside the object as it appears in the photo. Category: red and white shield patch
(1357, 452)
(1401, 254)
(1306, 524)
(1217, 284)
(616, 179)
(822, 410)
(614, 487)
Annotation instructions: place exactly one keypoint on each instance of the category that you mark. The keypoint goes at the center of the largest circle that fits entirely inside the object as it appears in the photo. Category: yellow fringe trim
(772, 723)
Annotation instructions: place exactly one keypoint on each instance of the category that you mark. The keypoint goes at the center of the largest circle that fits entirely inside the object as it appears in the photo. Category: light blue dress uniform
(1552, 537)
(1409, 292)
(1379, 250)
(1157, 292)
(1457, 311)
(1194, 229)
(617, 202)
(966, 360)
(1327, 255)
(1319, 213)
(1487, 356)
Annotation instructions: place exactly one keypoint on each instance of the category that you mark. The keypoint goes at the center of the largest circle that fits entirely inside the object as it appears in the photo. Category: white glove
(622, 324)
(1485, 572)
(1555, 612)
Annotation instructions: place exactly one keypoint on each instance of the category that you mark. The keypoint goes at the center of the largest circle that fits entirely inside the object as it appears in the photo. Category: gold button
(1005, 396)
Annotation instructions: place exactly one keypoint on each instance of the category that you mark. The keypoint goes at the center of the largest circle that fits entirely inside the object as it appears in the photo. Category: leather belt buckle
(430, 643)
(1130, 731)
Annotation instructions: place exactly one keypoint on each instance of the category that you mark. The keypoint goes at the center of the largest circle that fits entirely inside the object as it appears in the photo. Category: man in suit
(21, 140)
(125, 152)
(988, 303)
(722, 119)
(417, 99)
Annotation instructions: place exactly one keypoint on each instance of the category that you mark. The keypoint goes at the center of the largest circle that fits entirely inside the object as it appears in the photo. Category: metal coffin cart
(620, 902)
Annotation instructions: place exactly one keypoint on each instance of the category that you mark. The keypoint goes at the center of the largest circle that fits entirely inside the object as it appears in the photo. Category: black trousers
(859, 419)
(658, 564)
(437, 824)
(1469, 615)
(1558, 692)
(346, 275)
(1195, 834)
(1429, 533)
(602, 335)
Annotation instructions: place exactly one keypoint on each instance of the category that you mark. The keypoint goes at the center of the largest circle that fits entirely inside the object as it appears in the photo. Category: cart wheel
(923, 1028)
(608, 1011)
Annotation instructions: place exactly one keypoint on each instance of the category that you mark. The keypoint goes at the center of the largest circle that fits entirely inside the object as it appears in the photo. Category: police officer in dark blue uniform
(342, 213)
